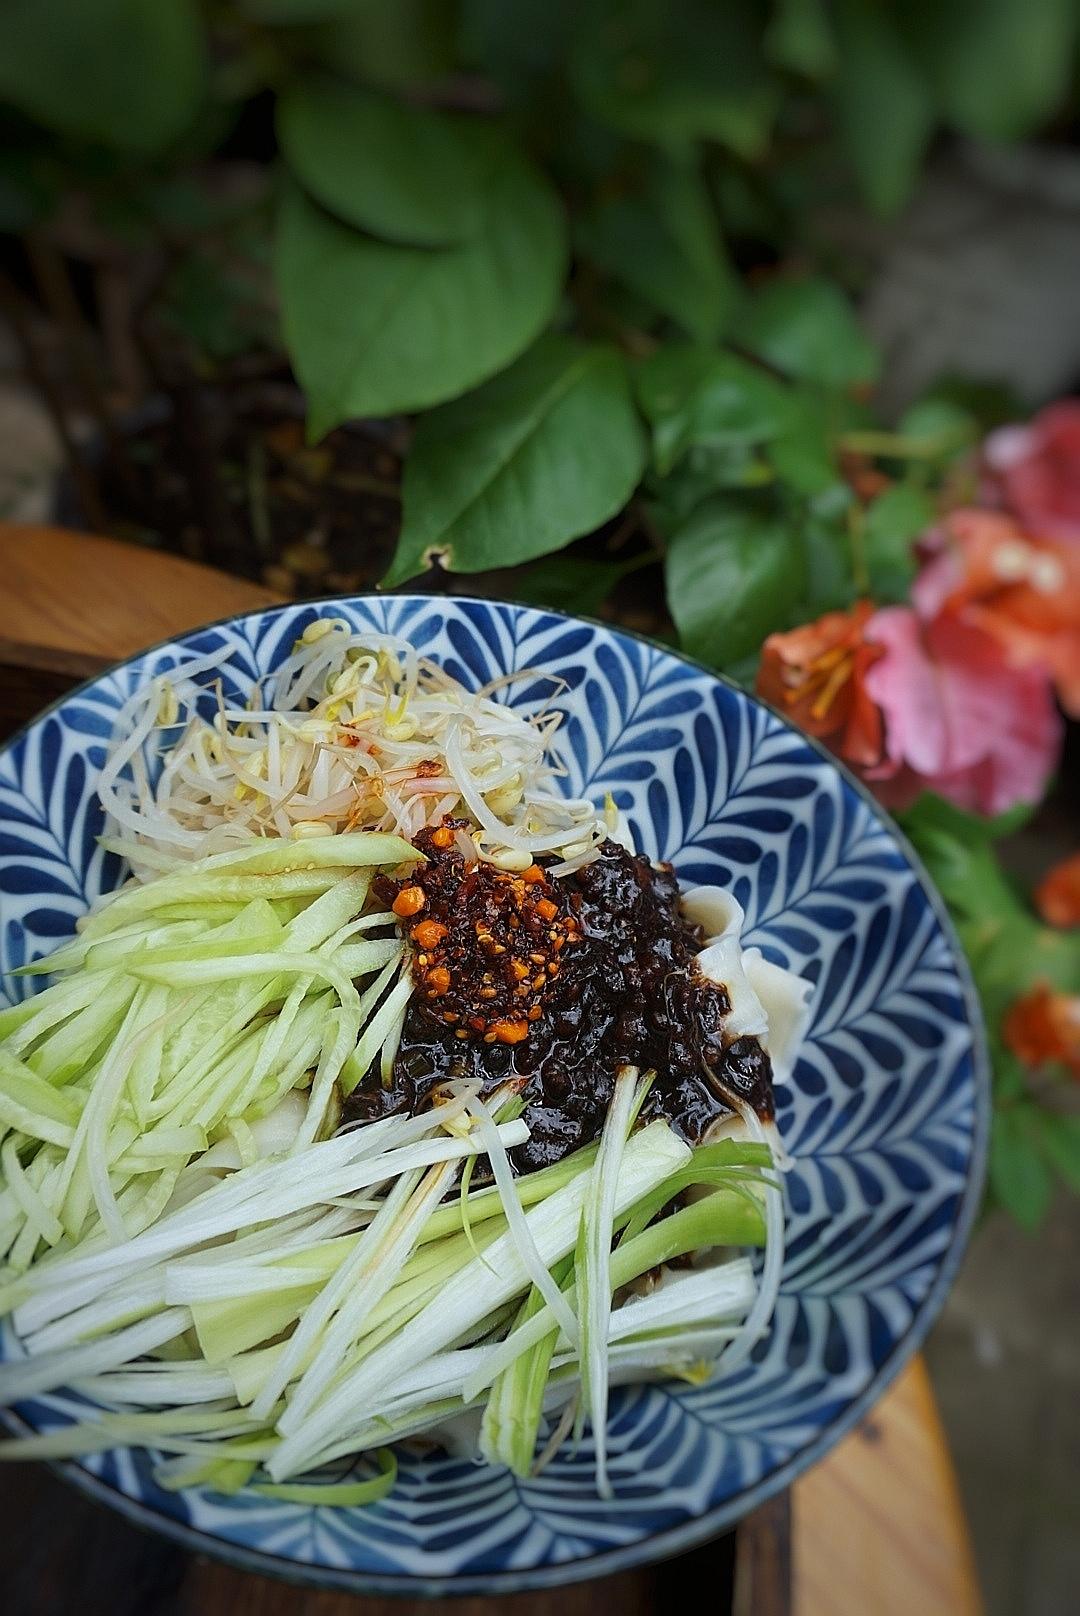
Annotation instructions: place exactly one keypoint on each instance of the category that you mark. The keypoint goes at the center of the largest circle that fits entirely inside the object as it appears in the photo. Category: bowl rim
(723, 1517)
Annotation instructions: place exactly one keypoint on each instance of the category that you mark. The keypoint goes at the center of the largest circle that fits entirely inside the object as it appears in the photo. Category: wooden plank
(878, 1525)
(74, 602)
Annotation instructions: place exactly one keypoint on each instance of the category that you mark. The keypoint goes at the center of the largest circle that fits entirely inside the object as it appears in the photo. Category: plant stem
(860, 572)
(895, 446)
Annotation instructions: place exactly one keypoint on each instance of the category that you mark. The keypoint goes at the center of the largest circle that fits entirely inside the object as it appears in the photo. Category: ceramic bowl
(886, 1116)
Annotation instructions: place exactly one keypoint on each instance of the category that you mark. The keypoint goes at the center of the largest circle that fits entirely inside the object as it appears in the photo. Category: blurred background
(703, 317)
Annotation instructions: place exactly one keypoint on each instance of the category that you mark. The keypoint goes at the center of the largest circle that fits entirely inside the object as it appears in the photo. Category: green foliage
(1000, 69)
(808, 330)
(403, 173)
(129, 74)
(661, 238)
(893, 522)
(884, 107)
(1019, 1173)
(546, 451)
(398, 46)
(704, 398)
(1010, 953)
(675, 71)
(422, 325)
(699, 361)
(734, 573)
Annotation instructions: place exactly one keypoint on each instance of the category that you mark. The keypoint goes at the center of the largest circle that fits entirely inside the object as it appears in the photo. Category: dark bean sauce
(552, 985)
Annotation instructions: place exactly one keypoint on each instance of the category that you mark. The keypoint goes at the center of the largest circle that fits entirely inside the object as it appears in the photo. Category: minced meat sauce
(552, 985)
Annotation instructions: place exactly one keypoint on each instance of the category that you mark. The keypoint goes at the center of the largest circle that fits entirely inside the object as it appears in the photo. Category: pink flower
(1024, 591)
(1035, 470)
(959, 718)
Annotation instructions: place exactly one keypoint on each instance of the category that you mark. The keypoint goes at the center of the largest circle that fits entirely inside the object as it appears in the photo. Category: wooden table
(876, 1529)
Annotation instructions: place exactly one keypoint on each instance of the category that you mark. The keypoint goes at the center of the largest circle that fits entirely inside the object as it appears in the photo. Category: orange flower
(1021, 587)
(1043, 1027)
(816, 674)
(1057, 896)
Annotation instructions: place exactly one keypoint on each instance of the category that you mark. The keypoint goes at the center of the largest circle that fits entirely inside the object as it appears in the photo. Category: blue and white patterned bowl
(887, 1115)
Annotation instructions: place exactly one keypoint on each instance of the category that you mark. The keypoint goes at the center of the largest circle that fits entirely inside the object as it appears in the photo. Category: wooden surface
(876, 1529)
(73, 602)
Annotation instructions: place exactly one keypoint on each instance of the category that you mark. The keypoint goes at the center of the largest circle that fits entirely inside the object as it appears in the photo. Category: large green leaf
(673, 71)
(126, 73)
(662, 240)
(544, 452)
(808, 329)
(733, 575)
(374, 329)
(700, 397)
(884, 106)
(404, 173)
(1000, 67)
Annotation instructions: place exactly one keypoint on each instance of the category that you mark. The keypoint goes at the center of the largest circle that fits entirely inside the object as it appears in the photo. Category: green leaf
(808, 329)
(127, 73)
(1019, 1175)
(800, 38)
(410, 42)
(1000, 68)
(1009, 949)
(541, 454)
(830, 584)
(944, 429)
(676, 72)
(733, 575)
(698, 397)
(374, 329)
(663, 241)
(701, 473)
(932, 812)
(884, 108)
(894, 520)
(406, 174)
(802, 454)
(1060, 1137)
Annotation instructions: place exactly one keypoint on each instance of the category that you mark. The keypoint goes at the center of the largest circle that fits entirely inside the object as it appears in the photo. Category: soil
(221, 472)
